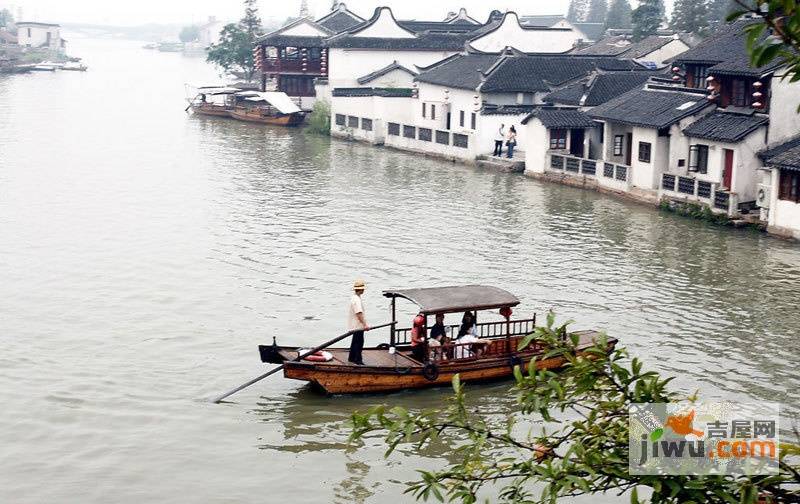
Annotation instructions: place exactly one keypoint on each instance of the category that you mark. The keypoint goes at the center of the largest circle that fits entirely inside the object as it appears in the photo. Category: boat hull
(211, 110)
(384, 372)
(256, 116)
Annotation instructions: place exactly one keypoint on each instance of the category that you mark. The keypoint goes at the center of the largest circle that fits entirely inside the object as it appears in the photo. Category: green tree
(319, 122)
(579, 448)
(189, 33)
(690, 16)
(776, 39)
(619, 15)
(647, 18)
(578, 10)
(234, 51)
(597, 11)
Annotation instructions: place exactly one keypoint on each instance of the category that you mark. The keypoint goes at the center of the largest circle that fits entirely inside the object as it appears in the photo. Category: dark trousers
(356, 346)
(511, 150)
(498, 147)
(418, 351)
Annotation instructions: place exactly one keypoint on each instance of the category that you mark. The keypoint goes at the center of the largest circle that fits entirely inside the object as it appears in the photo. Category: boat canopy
(456, 298)
(280, 101)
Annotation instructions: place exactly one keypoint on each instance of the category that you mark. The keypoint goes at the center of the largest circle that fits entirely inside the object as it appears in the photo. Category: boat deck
(372, 357)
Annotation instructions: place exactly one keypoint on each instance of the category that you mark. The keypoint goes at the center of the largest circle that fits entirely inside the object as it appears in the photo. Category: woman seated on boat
(438, 332)
(468, 344)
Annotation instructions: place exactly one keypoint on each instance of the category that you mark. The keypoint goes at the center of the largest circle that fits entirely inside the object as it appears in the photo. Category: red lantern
(506, 312)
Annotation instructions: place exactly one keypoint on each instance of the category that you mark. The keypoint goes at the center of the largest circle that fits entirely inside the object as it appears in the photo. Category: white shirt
(500, 135)
(356, 306)
(462, 352)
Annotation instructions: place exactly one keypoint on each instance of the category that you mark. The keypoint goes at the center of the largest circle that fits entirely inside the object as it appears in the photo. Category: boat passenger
(418, 340)
(468, 344)
(357, 322)
(438, 332)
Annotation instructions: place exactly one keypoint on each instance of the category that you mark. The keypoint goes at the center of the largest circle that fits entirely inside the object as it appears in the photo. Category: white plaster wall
(447, 151)
(644, 175)
(535, 146)
(381, 110)
(304, 29)
(385, 26)
(783, 214)
(666, 52)
(540, 40)
(39, 36)
(347, 65)
(396, 78)
(784, 121)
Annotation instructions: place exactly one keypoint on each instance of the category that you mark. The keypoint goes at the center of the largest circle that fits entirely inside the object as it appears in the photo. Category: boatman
(357, 322)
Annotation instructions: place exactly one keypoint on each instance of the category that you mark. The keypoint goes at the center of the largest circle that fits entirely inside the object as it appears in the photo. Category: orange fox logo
(682, 424)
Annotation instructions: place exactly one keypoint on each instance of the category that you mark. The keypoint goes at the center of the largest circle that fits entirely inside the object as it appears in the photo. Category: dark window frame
(558, 139)
(789, 185)
(424, 110)
(352, 122)
(619, 144)
(366, 124)
(698, 158)
(473, 121)
(645, 152)
(433, 112)
(461, 118)
(340, 119)
(393, 129)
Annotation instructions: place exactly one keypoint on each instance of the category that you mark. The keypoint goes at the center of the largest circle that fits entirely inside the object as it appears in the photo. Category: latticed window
(409, 132)
(425, 134)
(644, 152)
(443, 137)
(352, 122)
(460, 140)
(558, 139)
(394, 129)
(789, 186)
(739, 96)
(340, 119)
(366, 124)
(618, 145)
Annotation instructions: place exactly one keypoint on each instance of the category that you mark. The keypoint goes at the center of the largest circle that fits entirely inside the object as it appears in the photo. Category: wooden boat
(212, 100)
(269, 107)
(391, 366)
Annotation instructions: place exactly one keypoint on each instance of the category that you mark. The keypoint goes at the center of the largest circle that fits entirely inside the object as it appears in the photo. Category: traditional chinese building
(292, 57)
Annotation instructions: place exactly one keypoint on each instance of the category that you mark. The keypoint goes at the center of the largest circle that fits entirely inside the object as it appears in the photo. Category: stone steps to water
(515, 165)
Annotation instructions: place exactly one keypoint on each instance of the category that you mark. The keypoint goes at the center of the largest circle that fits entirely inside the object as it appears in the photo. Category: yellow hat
(359, 284)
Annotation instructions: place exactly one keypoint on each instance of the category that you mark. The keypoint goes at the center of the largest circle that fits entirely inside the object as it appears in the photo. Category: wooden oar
(299, 357)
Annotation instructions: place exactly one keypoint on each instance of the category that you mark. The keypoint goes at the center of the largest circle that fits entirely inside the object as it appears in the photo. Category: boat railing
(459, 351)
(485, 330)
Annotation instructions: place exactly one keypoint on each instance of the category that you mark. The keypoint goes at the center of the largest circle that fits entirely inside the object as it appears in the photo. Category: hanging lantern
(711, 97)
(757, 84)
(710, 88)
(709, 78)
(676, 77)
(446, 95)
(758, 104)
(757, 95)
(676, 69)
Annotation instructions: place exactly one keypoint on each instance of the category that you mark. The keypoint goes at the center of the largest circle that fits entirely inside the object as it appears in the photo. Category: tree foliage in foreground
(777, 38)
(581, 449)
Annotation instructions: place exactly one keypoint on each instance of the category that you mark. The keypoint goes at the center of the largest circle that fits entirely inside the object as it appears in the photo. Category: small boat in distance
(74, 66)
(391, 366)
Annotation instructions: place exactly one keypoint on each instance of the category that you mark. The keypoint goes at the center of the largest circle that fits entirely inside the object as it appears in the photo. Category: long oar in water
(299, 357)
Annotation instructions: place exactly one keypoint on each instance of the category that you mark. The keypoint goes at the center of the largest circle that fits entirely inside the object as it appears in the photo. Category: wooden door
(576, 142)
(727, 174)
(628, 148)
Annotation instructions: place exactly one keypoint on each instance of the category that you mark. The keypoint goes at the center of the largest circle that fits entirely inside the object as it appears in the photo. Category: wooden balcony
(294, 66)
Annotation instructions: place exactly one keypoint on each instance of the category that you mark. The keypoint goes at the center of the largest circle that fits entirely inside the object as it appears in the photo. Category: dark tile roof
(367, 91)
(461, 71)
(726, 50)
(542, 73)
(647, 45)
(423, 41)
(279, 40)
(561, 118)
(492, 109)
(598, 88)
(383, 71)
(438, 26)
(515, 72)
(725, 126)
(609, 46)
(593, 31)
(650, 108)
(546, 20)
(340, 20)
(784, 155)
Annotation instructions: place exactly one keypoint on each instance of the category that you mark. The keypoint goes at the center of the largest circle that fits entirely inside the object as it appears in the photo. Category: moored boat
(392, 366)
(270, 107)
(212, 100)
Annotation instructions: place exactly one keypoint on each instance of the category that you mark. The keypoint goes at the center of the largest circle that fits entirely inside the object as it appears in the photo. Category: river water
(145, 253)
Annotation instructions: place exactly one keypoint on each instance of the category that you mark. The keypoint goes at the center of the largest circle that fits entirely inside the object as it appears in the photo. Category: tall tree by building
(690, 16)
(718, 10)
(598, 9)
(647, 18)
(619, 15)
(251, 22)
(234, 51)
(578, 11)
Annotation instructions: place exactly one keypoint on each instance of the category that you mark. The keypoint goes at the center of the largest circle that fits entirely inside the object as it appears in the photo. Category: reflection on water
(146, 253)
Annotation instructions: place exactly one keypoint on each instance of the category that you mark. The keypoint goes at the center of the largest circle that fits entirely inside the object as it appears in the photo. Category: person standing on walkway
(357, 322)
(511, 142)
(498, 140)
